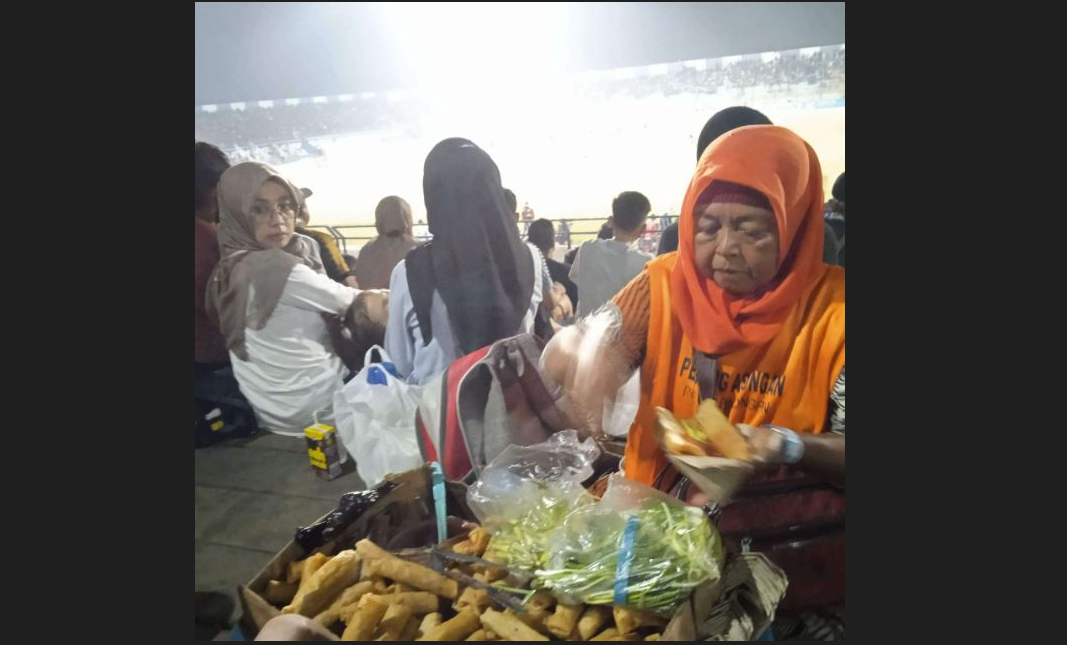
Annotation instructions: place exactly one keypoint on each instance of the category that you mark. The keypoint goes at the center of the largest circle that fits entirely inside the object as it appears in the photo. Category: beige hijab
(245, 263)
(376, 261)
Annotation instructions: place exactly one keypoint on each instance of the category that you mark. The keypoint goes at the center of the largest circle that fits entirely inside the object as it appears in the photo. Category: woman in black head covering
(476, 270)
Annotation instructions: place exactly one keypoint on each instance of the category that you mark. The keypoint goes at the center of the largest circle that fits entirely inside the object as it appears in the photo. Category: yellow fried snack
(562, 623)
(464, 548)
(457, 628)
(368, 614)
(295, 570)
(387, 565)
(429, 622)
(307, 567)
(479, 537)
(509, 627)
(419, 602)
(279, 593)
(540, 604)
(653, 637)
(393, 622)
(606, 635)
(477, 636)
(317, 591)
(472, 599)
(312, 564)
(674, 437)
(628, 620)
(723, 436)
(411, 630)
(348, 598)
(593, 618)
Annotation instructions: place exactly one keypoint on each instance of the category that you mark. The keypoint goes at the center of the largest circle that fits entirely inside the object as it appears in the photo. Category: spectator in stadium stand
(209, 347)
(834, 215)
(513, 202)
(602, 267)
(379, 257)
(563, 234)
(276, 306)
(476, 283)
(543, 237)
(422, 233)
(332, 260)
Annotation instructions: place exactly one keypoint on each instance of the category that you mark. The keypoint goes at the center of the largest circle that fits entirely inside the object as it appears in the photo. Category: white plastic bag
(375, 415)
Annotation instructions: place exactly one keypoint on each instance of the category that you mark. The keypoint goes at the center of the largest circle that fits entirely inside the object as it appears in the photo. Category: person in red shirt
(209, 345)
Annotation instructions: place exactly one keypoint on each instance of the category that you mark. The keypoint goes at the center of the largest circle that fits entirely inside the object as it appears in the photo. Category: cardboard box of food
(739, 606)
(402, 518)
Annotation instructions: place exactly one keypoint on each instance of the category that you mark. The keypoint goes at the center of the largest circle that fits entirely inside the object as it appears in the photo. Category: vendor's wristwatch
(792, 446)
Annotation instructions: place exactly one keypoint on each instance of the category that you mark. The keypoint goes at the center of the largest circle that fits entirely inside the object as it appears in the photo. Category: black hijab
(476, 260)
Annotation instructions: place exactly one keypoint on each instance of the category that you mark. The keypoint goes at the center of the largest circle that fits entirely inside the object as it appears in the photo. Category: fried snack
(295, 571)
(675, 439)
(379, 585)
(416, 575)
(606, 635)
(393, 622)
(479, 537)
(488, 575)
(472, 599)
(464, 548)
(419, 602)
(490, 635)
(411, 630)
(317, 591)
(348, 598)
(429, 621)
(368, 614)
(400, 587)
(477, 636)
(726, 439)
(534, 622)
(455, 629)
(562, 623)
(653, 637)
(593, 618)
(279, 593)
(540, 604)
(628, 620)
(308, 567)
(509, 627)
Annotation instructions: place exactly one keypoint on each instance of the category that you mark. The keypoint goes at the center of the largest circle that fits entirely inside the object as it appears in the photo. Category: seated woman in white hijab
(273, 301)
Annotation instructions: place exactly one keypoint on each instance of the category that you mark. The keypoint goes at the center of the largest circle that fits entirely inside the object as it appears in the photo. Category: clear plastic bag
(635, 548)
(527, 491)
(594, 385)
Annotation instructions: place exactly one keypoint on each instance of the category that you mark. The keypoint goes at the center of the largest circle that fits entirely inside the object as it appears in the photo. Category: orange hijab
(782, 166)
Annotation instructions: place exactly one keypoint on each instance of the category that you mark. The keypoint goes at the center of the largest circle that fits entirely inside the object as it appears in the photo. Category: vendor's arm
(817, 455)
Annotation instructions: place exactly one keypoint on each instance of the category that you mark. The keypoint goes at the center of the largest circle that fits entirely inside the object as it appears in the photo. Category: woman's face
(273, 215)
(736, 245)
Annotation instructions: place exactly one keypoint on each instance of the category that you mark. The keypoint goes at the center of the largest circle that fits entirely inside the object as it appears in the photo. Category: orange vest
(786, 382)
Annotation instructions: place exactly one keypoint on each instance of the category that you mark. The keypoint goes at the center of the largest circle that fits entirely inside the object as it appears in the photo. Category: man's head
(839, 193)
(210, 163)
(512, 201)
(725, 120)
(542, 235)
(303, 218)
(628, 213)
